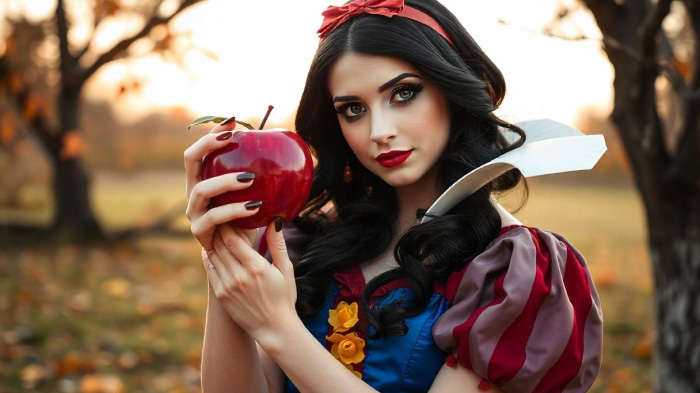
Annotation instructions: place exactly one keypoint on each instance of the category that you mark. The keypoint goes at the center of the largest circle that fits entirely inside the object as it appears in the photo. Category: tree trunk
(74, 218)
(675, 254)
(667, 181)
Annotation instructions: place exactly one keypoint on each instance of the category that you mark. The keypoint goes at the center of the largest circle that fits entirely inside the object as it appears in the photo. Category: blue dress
(407, 363)
(524, 315)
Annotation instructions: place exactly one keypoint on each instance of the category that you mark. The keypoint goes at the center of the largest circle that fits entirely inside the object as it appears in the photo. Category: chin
(398, 180)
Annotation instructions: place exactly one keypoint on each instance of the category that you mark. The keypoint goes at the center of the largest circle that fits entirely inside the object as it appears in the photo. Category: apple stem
(269, 109)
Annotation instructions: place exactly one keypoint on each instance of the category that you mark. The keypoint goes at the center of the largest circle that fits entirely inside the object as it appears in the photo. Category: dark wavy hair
(361, 224)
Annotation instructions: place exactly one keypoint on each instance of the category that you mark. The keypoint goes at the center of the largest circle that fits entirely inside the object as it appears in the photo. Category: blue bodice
(407, 363)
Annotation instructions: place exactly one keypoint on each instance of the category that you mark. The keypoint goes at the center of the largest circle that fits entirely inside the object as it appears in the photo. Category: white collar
(550, 147)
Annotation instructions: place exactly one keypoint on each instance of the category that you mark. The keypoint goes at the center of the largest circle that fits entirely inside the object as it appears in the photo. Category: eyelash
(414, 88)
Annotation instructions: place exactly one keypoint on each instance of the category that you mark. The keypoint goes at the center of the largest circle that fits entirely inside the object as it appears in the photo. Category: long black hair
(361, 223)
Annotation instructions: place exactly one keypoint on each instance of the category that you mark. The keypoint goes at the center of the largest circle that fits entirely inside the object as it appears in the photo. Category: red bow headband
(336, 16)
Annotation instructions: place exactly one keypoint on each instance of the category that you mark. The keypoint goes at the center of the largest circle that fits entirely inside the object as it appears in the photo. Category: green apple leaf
(216, 119)
(244, 124)
(206, 119)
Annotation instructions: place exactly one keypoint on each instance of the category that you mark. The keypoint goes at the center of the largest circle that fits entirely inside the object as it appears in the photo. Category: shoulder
(525, 313)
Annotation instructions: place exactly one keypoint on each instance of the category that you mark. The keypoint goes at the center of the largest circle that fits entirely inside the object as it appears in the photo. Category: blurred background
(101, 287)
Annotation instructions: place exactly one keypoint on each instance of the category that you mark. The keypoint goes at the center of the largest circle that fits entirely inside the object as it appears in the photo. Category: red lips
(393, 158)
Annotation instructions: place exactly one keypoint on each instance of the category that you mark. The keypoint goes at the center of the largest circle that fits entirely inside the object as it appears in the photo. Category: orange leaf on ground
(71, 363)
(32, 374)
(128, 360)
(117, 287)
(643, 349)
(101, 384)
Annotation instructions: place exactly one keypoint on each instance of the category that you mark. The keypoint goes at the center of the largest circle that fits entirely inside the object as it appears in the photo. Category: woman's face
(395, 121)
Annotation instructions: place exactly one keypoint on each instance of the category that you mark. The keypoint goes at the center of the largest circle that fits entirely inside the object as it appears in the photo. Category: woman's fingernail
(245, 177)
(253, 205)
(230, 119)
(224, 135)
(278, 224)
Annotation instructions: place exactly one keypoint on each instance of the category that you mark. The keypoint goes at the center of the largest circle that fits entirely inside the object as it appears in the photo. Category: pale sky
(265, 48)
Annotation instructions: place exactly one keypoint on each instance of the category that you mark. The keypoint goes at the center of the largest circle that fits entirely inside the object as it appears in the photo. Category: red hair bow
(336, 16)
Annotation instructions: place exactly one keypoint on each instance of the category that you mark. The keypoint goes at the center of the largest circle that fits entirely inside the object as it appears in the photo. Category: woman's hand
(204, 220)
(259, 296)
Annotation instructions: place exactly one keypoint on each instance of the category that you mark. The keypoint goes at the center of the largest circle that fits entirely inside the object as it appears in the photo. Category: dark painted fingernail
(224, 135)
(278, 224)
(230, 119)
(253, 205)
(245, 177)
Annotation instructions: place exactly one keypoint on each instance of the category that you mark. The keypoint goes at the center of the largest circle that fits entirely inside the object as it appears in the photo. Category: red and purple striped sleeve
(525, 315)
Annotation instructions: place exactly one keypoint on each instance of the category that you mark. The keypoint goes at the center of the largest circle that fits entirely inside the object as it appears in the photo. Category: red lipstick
(393, 158)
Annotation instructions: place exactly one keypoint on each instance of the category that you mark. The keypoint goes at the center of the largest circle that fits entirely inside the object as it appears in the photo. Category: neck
(418, 195)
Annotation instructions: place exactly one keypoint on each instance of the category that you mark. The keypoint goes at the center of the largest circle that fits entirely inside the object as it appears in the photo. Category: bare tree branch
(642, 134)
(82, 52)
(103, 9)
(604, 10)
(38, 122)
(65, 58)
(608, 41)
(685, 164)
(650, 27)
(120, 47)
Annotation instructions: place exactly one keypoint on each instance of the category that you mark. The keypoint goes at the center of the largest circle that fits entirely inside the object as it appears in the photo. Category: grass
(130, 318)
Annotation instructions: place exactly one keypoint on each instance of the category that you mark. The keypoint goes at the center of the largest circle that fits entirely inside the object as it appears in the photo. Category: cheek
(357, 144)
(438, 119)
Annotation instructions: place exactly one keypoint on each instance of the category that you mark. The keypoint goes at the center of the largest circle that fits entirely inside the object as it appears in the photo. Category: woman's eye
(404, 94)
(354, 109)
(351, 111)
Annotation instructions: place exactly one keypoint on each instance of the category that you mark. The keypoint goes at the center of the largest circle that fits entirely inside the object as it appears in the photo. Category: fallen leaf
(32, 374)
(101, 384)
(643, 349)
(128, 360)
(117, 287)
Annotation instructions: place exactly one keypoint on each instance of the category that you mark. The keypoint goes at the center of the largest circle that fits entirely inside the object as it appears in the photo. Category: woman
(398, 105)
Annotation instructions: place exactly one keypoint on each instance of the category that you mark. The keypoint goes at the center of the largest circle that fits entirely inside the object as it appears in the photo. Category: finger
(226, 125)
(232, 264)
(278, 248)
(209, 188)
(210, 267)
(247, 234)
(195, 153)
(241, 249)
(203, 226)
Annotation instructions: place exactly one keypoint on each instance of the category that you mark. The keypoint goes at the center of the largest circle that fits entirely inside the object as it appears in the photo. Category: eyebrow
(380, 89)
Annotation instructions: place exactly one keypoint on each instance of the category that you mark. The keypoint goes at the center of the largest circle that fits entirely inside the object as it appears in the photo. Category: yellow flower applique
(357, 373)
(343, 317)
(348, 348)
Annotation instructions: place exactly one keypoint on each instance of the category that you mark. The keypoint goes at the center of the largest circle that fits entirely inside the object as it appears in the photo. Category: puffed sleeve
(525, 315)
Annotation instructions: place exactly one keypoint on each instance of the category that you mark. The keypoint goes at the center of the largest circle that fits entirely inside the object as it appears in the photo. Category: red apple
(283, 170)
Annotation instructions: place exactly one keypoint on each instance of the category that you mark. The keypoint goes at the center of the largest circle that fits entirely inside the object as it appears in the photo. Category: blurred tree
(650, 51)
(43, 68)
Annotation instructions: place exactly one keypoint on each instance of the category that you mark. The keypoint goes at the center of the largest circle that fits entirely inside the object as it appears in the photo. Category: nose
(383, 128)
